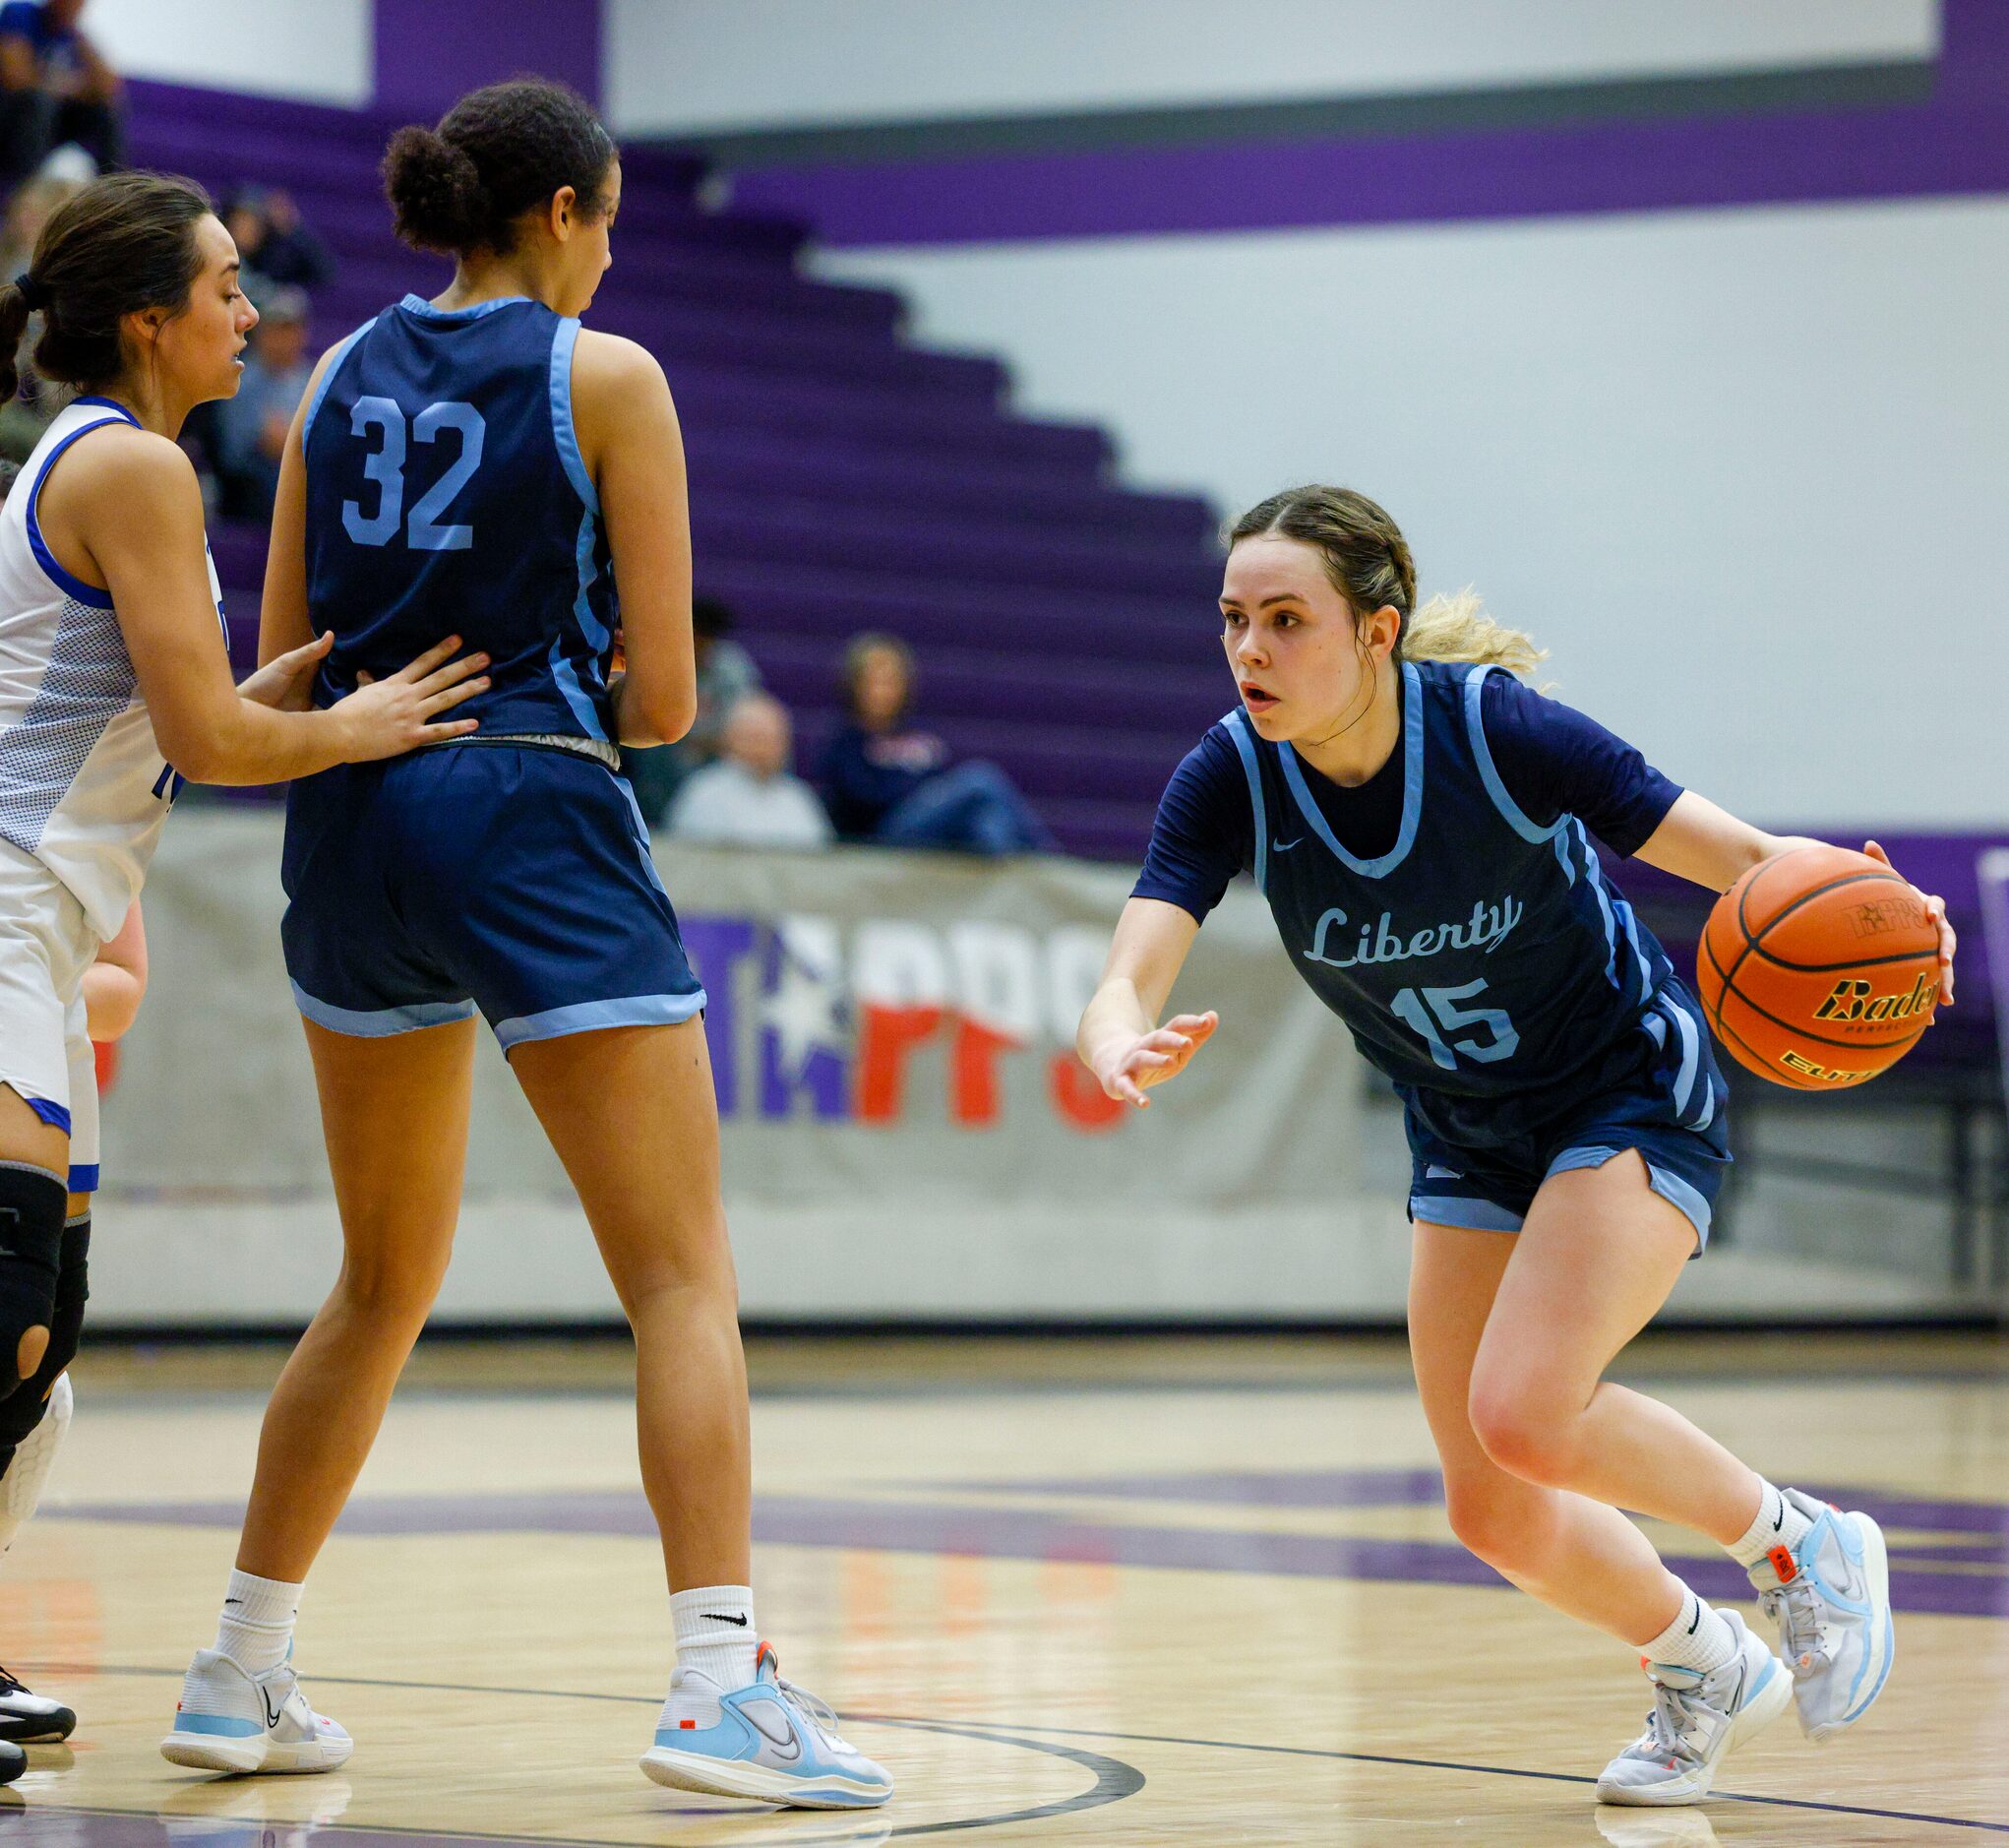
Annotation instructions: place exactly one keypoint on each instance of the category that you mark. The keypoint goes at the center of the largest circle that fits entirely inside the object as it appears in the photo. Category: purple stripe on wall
(1956, 143)
(428, 54)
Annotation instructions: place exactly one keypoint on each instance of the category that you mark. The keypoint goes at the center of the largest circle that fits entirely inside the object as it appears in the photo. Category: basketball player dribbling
(478, 457)
(1419, 821)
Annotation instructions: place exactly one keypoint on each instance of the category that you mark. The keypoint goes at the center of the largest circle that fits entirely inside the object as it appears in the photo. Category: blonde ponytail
(1456, 628)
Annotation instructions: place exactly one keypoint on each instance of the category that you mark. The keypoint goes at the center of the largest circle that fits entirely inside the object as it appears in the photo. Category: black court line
(1113, 1779)
(1495, 1770)
(1093, 1799)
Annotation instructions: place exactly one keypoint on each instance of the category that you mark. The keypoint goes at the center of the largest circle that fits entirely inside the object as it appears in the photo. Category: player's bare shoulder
(616, 381)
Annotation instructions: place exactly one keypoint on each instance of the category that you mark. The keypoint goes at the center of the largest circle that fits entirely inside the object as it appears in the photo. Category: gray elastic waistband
(598, 749)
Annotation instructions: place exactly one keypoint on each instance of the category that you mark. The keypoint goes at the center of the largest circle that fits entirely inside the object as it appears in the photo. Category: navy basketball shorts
(1661, 1095)
(512, 878)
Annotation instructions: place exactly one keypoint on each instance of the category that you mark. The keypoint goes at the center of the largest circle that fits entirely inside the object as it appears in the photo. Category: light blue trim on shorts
(1668, 1184)
(587, 1017)
(1468, 1215)
(380, 1022)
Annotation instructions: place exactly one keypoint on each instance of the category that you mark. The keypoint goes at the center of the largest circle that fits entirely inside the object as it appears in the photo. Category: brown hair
(496, 154)
(1368, 563)
(871, 642)
(125, 243)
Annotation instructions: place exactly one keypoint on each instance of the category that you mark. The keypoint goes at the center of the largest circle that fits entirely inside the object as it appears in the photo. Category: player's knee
(33, 1203)
(1522, 1430)
(1495, 1519)
(390, 1290)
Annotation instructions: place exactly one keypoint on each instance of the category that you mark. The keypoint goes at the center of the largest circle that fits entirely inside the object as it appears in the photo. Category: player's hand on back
(1935, 909)
(389, 716)
(1153, 1057)
(285, 682)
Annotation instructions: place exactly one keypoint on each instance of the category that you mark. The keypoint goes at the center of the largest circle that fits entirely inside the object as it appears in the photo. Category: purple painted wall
(1955, 141)
(427, 53)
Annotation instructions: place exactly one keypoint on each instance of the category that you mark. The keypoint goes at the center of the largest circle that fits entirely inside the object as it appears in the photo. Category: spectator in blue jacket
(55, 86)
(887, 781)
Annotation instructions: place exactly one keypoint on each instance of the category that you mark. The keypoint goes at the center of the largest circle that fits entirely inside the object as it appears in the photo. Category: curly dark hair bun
(437, 199)
(496, 155)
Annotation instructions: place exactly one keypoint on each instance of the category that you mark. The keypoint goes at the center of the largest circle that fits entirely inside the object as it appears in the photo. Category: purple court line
(1954, 142)
(934, 1527)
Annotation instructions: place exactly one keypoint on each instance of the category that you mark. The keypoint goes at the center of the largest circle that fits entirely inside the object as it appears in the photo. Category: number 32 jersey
(446, 495)
(1483, 963)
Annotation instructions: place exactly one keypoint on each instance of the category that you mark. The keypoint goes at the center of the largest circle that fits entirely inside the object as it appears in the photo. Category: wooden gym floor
(1176, 1591)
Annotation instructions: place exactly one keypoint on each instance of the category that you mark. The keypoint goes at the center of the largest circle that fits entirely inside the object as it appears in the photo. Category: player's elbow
(659, 715)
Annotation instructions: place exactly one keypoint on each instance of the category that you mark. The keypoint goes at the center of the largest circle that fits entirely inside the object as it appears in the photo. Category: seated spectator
(277, 250)
(884, 782)
(55, 87)
(725, 675)
(748, 796)
(251, 428)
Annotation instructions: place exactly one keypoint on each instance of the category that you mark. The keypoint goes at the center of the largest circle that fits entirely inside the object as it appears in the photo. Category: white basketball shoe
(1696, 1721)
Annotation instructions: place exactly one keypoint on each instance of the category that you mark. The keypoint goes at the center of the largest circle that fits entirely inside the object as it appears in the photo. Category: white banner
(906, 1130)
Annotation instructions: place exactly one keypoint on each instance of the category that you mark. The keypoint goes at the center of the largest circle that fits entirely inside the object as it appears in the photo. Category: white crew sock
(716, 1639)
(715, 1634)
(256, 1628)
(1699, 1638)
(1777, 1523)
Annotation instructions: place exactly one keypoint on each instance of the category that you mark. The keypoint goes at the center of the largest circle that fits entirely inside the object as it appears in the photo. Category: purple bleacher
(841, 477)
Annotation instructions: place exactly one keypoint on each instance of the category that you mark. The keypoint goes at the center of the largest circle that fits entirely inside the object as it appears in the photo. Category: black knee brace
(20, 1413)
(32, 1201)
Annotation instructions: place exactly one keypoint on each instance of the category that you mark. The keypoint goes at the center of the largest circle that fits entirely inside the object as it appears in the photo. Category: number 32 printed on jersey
(384, 418)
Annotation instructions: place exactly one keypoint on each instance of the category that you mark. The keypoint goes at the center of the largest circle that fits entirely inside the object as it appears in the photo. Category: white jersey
(82, 785)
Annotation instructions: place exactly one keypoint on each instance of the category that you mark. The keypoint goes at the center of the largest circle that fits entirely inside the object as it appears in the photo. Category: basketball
(1819, 968)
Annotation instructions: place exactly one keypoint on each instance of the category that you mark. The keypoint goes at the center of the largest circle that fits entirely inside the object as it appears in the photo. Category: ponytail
(14, 314)
(1456, 628)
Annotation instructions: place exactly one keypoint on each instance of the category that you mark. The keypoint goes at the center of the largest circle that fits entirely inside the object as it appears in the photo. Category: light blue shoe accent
(772, 1741)
(1835, 1624)
(217, 1725)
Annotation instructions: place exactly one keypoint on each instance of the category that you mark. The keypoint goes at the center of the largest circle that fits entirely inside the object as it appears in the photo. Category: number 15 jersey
(446, 495)
(1483, 962)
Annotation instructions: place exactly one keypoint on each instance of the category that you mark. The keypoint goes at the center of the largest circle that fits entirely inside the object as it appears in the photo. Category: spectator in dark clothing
(55, 86)
(250, 427)
(277, 250)
(725, 671)
(886, 781)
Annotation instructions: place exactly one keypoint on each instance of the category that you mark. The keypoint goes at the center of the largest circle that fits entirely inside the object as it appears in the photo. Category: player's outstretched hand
(285, 682)
(1152, 1057)
(398, 713)
(1935, 909)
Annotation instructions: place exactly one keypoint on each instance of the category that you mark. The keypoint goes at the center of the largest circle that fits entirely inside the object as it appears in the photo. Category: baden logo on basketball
(1850, 1000)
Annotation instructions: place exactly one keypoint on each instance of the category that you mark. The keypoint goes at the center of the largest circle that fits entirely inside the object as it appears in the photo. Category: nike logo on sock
(719, 1617)
(1698, 1617)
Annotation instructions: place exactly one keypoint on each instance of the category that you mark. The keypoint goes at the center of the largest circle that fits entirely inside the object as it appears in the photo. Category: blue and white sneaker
(1830, 1597)
(1697, 1721)
(228, 1721)
(772, 1741)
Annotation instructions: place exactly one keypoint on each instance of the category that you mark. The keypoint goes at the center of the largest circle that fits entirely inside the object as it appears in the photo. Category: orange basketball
(1819, 968)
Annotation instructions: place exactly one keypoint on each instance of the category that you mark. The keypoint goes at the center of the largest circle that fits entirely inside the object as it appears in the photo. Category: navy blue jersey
(1483, 962)
(1552, 758)
(446, 496)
